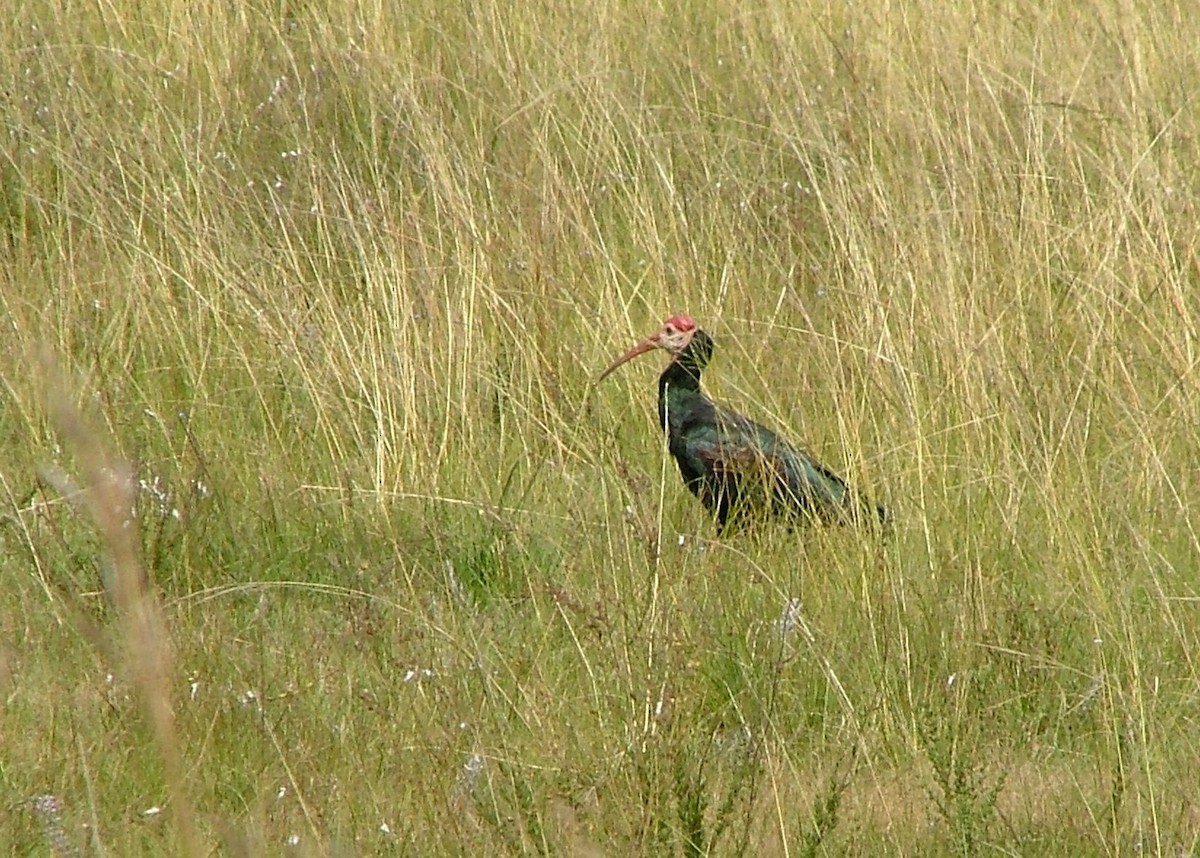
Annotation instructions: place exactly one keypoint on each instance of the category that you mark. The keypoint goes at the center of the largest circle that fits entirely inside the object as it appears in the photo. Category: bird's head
(674, 336)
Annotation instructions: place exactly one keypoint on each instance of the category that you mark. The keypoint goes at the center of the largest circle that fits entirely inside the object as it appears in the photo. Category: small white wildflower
(280, 82)
(951, 679)
(293, 840)
(155, 810)
(47, 805)
(385, 828)
(789, 620)
(49, 808)
(471, 770)
(280, 793)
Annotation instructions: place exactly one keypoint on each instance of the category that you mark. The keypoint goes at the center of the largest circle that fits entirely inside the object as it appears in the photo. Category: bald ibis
(732, 464)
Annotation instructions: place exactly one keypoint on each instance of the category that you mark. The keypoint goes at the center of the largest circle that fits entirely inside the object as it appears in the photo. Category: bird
(739, 469)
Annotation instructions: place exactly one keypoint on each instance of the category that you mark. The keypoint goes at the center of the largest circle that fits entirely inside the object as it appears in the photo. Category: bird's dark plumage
(737, 467)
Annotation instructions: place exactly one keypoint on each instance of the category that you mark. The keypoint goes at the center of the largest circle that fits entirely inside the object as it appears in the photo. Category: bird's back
(731, 462)
(805, 485)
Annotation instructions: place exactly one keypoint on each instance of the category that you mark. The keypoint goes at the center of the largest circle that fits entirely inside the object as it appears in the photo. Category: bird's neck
(680, 375)
(677, 387)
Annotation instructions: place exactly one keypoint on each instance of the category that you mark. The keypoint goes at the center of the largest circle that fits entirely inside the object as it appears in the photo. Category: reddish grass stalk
(108, 494)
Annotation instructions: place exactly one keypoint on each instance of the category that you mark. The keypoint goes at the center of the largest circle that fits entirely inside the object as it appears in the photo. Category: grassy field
(319, 539)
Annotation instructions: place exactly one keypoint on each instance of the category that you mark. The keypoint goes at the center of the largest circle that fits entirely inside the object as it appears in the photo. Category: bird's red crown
(681, 322)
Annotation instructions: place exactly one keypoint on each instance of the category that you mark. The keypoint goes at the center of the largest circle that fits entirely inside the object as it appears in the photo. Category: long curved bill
(641, 348)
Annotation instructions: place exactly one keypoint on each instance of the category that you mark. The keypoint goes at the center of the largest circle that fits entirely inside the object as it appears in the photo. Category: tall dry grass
(337, 283)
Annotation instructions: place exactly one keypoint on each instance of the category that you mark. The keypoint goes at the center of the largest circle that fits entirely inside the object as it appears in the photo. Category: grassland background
(335, 281)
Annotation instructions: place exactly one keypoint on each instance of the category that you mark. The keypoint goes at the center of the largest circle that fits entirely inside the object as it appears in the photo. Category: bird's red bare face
(673, 336)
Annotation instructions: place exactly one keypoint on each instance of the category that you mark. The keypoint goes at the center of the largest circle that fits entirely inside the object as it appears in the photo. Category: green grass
(391, 576)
